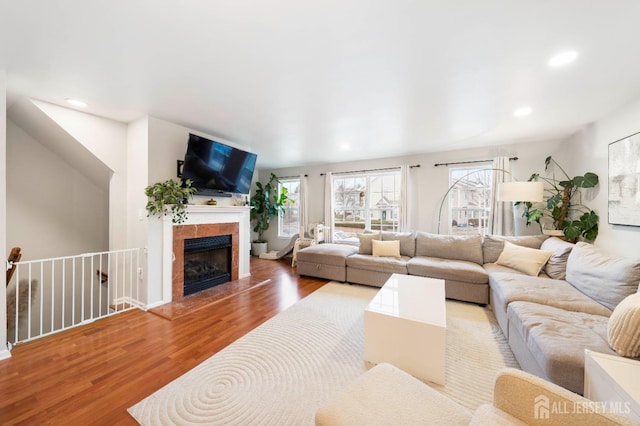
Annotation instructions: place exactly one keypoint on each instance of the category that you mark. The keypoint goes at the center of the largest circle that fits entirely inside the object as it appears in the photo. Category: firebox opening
(207, 262)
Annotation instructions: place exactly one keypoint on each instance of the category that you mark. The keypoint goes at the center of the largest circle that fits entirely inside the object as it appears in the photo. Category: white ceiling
(294, 80)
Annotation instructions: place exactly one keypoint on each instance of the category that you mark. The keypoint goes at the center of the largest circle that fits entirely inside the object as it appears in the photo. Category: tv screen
(217, 168)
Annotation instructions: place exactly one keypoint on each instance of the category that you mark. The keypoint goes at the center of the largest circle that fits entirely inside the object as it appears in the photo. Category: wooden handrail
(14, 256)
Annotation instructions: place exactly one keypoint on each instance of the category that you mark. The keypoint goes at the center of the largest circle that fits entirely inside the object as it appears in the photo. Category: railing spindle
(124, 275)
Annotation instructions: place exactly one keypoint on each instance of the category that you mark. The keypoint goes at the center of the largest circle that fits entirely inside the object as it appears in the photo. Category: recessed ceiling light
(344, 146)
(76, 103)
(562, 59)
(522, 111)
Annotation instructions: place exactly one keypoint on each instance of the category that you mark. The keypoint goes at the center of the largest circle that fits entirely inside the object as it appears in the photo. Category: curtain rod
(369, 170)
(470, 162)
(291, 177)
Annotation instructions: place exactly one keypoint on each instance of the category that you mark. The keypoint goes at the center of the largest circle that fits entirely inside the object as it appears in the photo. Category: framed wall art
(624, 181)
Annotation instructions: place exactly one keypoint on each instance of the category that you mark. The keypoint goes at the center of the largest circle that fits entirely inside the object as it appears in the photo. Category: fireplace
(206, 255)
(207, 262)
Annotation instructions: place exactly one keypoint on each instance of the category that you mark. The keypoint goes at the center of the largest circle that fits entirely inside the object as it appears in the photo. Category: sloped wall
(102, 142)
(53, 210)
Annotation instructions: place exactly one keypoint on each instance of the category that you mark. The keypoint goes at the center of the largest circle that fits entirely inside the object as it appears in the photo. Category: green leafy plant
(266, 203)
(564, 205)
(169, 193)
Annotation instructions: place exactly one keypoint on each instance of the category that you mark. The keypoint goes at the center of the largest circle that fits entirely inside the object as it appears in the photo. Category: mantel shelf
(203, 208)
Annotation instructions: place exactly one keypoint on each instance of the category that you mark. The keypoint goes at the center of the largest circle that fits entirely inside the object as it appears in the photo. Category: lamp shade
(521, 191)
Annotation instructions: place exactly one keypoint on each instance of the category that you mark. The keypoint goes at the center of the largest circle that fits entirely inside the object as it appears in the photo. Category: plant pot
(258, 248)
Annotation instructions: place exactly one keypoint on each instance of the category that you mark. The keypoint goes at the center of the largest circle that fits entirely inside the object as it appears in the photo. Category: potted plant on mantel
(564, 208)
(169, 197)
(266, 203)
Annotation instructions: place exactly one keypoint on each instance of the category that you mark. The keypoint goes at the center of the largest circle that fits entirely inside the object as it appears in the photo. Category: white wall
(4, 353)
(589, 151)
(53, 209)
(137, 172)
(428, 183)
(167, 144)
(137, 180)
(106, 140)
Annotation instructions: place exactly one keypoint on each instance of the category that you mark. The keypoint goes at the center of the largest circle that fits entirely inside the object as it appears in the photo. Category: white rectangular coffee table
(406, 324)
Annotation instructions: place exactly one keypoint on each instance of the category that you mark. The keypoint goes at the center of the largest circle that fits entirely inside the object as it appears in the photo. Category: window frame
(483, 211)
(361, 204)
(283, 182)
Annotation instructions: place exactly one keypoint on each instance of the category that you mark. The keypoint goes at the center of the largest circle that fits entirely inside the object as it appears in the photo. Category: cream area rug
(282, 371)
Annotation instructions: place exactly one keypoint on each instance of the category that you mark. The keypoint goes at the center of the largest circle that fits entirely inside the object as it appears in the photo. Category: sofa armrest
(536, 401)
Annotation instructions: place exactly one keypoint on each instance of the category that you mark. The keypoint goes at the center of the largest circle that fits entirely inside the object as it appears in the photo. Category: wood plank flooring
(92, 374)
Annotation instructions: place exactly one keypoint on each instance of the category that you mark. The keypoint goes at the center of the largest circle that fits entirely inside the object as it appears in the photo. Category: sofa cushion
(386, 248)
(454, 247)
(524, 259)
(326, 254)
(604, 278)
(407, 241)
(624, 327)
(365, 242)
(557, 339)
(446, 269)
(378, 264)
(492, 245)
(556, 266)
(557, 293)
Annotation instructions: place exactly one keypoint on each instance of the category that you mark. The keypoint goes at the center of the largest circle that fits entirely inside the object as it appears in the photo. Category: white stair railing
(51, 295)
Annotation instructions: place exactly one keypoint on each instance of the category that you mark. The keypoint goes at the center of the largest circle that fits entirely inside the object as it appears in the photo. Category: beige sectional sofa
(550, 310)
(550, 322)
(455, 259)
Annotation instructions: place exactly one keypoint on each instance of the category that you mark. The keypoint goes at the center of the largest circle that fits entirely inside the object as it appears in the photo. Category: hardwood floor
(92, 374)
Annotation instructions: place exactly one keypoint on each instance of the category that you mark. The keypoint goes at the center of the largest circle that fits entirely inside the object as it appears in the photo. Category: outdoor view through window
(469, 200)
(289, 222)
(366, 201)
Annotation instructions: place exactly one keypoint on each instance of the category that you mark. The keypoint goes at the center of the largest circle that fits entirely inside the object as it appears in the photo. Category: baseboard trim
(4, 354)
(155, 305)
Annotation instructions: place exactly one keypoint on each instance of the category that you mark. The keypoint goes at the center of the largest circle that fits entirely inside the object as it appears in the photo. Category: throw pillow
(386, 248)
(365, 242)
(492, 245)
(605, 278)
(556, 266)
(624, 327)
(526, 260)
(407, 241)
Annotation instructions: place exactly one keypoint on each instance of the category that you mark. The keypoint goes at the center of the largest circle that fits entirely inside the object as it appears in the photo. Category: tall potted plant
(266, 203)
(169, 197)
(564, 208)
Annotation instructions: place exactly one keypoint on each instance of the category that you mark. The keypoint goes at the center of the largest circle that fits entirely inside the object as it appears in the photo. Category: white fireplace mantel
(160, 250)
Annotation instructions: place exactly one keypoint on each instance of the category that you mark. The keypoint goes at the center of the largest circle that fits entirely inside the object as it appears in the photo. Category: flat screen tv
(217, 168)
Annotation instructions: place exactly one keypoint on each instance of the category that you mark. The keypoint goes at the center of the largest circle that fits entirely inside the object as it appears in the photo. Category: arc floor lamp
(507, 191)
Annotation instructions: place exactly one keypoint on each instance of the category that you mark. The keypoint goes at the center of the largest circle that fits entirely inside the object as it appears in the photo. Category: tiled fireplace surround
(166, 247)
(183, 232)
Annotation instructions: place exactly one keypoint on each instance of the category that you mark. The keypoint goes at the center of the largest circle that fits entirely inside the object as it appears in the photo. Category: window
(366, 201)
(469, 200)
(289, 222)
